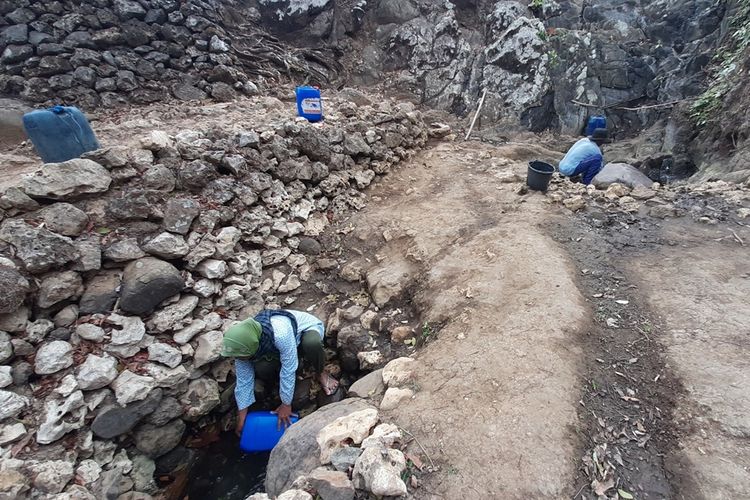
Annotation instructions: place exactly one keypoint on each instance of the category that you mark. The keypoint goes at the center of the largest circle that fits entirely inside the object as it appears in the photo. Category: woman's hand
(284, 412)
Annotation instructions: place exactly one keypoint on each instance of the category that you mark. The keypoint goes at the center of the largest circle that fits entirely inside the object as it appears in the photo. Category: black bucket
(539, 175)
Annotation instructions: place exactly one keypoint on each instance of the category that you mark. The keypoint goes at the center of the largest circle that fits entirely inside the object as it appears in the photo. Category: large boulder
(13, 289)
(67, 180)
(621, 173)
(38, 249)
(298, 452)
(146, 283)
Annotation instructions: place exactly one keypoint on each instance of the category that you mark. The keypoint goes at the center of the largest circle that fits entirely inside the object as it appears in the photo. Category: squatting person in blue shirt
(585, 157)
(267, 345)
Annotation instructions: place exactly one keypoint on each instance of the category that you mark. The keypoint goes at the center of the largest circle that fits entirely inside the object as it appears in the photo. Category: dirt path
(498, 390)
(701, 287)
(567, 345)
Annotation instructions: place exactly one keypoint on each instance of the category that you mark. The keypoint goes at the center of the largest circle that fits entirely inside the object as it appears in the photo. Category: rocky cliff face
(534, 58)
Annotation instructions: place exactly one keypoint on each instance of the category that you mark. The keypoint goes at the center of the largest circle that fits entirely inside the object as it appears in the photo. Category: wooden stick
(625, 108)
(432, 464)
(476, 115)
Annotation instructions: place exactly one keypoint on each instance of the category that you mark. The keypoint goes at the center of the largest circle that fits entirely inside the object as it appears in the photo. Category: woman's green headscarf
(242, 340)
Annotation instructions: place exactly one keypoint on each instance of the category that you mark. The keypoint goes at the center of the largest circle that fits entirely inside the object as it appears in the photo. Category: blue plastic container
(594, 123)
(60, 133)
(309, 103)
(261, 431)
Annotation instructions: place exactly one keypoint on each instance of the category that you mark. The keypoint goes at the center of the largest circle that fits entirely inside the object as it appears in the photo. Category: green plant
(542, 34)
(427, 332)
(537, 4)
(725, 64)
(554, 58)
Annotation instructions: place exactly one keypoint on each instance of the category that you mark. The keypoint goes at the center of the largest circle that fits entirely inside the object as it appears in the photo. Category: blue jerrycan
(60, 133)
(594, 123)
(309, 103)
(261, 432)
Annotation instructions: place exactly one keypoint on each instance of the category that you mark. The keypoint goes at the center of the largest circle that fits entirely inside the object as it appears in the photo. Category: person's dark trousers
(310, 348)
(588, 169)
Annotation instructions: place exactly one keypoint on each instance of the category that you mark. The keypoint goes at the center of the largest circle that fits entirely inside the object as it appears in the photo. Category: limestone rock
(616, 190)
(124, 250)
(157, 441)
(96, 372)
(351, 428)
(11, 433)
(575, 203)
(165, 376)
(13, 289)
(88, 472)
(159, 178)
(6, 376)
(331, 485)
(394, 396)
(399, 372)
(167, 246)
(370, 359)
(171, 316)
(38, 249)
(52, 476)
(389, 282)
(15, 321)
(186, 334)
(226, 240)
(90, 332)
(11, 404)
(89, 254)
(212, 269)
(129, 330)
(53, 357)
(369, 386)
(179, 214)
(67, 180)
(130, 387)
(295, 495)
(401, 333)
(13, 484)
(165, 354)
(298, 453)
(344, 458)
(209, 348)
(65, 219)
(379, 472)
(146, 283)
(58, 287)
(201, 397)
(384, 436)
(61, 418)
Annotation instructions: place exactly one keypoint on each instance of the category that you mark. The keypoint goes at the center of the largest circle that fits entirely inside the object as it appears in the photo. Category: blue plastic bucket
(309, 103)
(594, 123)
(60, 133)
(261, 432)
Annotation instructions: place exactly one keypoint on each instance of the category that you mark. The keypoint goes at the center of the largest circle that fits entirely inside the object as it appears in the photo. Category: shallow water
(226, 473)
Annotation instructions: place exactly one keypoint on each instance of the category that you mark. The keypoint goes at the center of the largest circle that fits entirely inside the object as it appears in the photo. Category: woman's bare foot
(328, 383)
